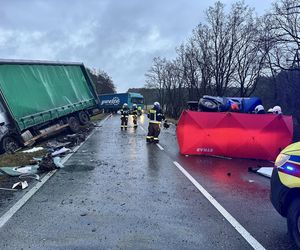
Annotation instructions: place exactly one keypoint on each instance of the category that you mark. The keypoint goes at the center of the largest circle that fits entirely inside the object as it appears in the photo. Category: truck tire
(9, 144)
(73, 124)
(83, 117)
(293, 221)
(208, 105)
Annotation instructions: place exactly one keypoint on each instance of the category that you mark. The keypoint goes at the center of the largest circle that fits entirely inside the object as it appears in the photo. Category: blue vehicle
(222, 104)
(114, 102)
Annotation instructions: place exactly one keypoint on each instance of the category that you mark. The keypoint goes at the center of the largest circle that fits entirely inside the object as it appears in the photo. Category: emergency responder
(277, 110)
(134, 115)
(259, 109)
(124, 116)
(156, 117)
(139, 111)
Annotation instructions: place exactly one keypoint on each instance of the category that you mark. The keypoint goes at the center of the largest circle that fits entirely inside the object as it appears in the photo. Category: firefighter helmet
(156, 105)
(277, 110)
(259, 109)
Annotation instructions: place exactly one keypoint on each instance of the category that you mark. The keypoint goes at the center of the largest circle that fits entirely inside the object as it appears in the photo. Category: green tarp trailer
(36, 92)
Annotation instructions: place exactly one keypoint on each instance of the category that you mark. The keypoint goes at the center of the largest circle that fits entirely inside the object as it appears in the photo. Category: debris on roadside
(32, 150)
(73, 139)
(47, 164)
(17, 171)
(55, 145)
(264, 171)
(61, 151)
(20, 185)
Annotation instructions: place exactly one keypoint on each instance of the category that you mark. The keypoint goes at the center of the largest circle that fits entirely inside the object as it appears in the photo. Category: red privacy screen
(253, 136)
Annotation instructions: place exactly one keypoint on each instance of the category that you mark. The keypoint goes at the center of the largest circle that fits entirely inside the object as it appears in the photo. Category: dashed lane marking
(6, 216)
(159, 146)
(238, 227)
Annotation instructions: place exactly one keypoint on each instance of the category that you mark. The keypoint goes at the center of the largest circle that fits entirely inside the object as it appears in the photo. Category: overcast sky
(120, 37)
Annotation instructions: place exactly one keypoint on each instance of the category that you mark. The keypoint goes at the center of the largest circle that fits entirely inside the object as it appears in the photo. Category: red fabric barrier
(233, 134)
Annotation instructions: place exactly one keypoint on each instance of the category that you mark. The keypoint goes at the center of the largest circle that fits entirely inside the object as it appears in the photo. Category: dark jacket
(125, 112)
(156, 115)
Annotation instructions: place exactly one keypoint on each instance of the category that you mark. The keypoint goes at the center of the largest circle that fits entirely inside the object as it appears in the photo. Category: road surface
(117, 192)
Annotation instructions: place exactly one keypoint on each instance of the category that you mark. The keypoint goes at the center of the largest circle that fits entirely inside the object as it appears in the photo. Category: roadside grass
(19, 158)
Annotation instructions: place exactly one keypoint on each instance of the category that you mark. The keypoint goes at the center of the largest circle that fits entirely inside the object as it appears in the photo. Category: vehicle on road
(40, 97)
(115, 101)
(285, 188)
(223, 104)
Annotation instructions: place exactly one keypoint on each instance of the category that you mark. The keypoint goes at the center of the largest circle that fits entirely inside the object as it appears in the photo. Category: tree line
(235, 53)
(102, 81)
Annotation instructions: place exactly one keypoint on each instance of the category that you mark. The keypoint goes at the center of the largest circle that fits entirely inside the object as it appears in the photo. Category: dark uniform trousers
(153, 132)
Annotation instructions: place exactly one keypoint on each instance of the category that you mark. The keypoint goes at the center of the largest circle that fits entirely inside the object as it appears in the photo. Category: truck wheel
(73, 124)
(9, 144)
(208, 105)
(83, 117)
(293, 221)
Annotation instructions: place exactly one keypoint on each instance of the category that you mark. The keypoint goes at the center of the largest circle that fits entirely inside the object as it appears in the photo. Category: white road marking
(159, 146)
(6, 216)
(238, 227)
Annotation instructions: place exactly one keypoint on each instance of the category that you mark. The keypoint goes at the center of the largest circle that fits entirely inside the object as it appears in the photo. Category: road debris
(32, 150)
(48, 164)
(20, 185)
(264, 171)
(61, 151)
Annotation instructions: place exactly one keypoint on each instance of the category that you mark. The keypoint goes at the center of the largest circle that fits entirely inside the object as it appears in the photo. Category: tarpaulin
(36, 93)
(234, 134)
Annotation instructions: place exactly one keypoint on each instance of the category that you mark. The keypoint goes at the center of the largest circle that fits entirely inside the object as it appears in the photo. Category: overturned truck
(40, 97)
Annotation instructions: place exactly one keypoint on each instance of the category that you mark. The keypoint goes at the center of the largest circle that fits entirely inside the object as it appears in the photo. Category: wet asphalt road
(117, 192)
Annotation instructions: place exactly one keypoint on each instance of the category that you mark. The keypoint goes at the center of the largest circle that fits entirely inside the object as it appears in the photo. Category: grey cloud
(118, 36)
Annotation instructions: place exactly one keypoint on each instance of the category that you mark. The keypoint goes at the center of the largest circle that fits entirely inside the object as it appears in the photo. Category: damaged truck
(40, 97)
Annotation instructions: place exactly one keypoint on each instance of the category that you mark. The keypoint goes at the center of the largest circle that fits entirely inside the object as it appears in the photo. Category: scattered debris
(47, 164)
(61, 151)
(264, 171)
(55, 145)
(17, 171)
(251, 181)
(32, 150)
(73, 139)
(20, 185)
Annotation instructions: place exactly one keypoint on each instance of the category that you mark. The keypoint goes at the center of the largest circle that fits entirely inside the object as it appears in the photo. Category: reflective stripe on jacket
(125, 112)
(155, 116)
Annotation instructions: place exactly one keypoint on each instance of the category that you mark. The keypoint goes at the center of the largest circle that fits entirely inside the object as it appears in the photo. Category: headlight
(281, 159)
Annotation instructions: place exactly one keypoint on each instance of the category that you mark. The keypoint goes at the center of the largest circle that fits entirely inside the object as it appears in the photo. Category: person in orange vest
(155, 116)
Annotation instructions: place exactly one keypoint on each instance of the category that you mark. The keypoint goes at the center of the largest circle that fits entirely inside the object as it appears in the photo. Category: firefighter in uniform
(156, 117)
(139, 111)
(124, 116)
(134, 115)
